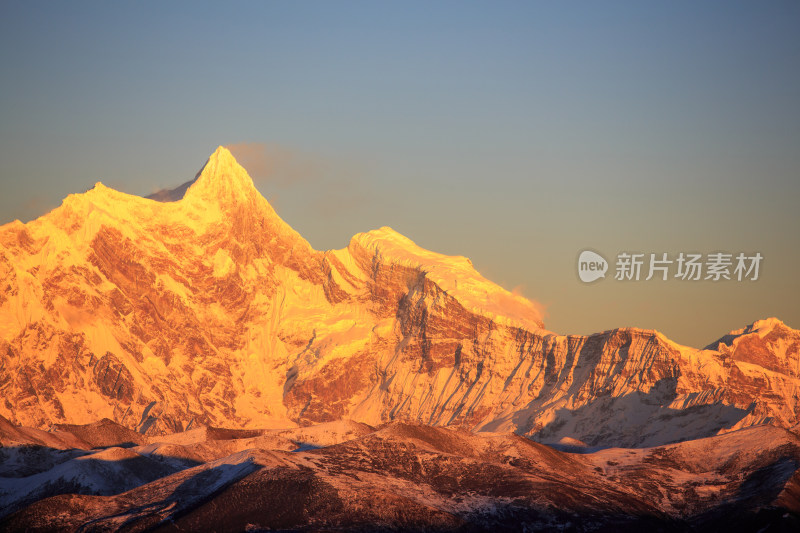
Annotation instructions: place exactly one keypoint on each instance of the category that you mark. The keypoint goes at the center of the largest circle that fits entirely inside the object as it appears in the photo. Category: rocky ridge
(397, 477)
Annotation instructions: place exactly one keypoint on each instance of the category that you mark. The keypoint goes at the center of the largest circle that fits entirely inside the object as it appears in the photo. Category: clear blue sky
(515, 133)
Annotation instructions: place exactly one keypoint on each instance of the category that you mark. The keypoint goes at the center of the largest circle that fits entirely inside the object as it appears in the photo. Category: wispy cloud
(330, 185)
(540, 309)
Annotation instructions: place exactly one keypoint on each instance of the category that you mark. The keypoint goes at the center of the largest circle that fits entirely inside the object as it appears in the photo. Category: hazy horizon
(516, 134)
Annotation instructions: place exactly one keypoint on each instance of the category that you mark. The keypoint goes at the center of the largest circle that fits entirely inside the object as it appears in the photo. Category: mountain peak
(223, 180)
(456, 275)
(222, 154)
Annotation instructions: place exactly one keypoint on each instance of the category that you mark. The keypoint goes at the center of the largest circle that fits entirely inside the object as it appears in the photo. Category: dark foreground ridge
(349, 476)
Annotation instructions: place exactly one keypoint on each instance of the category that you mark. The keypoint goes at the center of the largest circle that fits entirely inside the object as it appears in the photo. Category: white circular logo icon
(591, 266)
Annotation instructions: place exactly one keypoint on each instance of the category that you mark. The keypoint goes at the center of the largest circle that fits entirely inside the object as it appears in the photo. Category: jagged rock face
(210, 309)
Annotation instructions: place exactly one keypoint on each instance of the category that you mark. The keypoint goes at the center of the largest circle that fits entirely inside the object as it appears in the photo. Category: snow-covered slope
(405, 476)
(211, 310)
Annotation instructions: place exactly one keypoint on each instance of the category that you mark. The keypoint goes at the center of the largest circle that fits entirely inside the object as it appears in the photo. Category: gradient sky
(515, 133)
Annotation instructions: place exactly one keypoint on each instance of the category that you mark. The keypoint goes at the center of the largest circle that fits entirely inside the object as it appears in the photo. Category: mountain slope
(212, 310)
(414, 477)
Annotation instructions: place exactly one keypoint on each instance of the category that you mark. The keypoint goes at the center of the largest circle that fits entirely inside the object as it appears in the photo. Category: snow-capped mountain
(209, 309)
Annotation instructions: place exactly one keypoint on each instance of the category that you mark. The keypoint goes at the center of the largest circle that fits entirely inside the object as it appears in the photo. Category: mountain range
(200, 308)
